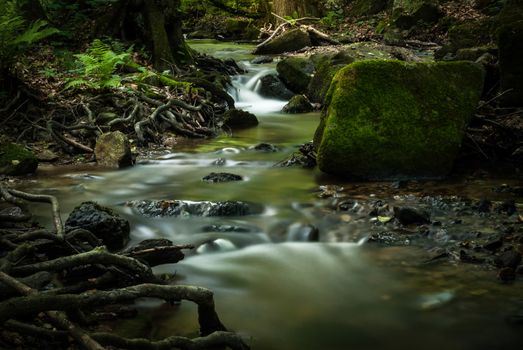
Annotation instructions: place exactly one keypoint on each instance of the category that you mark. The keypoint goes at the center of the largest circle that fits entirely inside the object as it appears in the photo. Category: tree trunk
(161, 48)
(296, 8)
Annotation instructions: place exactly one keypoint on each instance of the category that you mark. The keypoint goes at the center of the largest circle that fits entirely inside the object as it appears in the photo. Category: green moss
(326, 65)
(16, 160)
(389, 119)
(296, 73)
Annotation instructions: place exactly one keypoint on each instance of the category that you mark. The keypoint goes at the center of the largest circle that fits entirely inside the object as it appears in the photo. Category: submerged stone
(161, 208)
(222, 177)
(391, 119)
(238, 119)
(16, 160)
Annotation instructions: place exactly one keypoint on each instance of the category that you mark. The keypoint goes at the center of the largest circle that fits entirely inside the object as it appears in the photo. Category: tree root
(65, 279)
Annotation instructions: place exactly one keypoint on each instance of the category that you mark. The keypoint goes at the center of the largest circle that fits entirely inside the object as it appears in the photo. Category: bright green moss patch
(391, 119)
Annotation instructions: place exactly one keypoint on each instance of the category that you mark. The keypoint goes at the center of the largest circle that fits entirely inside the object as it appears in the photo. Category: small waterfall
(245, 92)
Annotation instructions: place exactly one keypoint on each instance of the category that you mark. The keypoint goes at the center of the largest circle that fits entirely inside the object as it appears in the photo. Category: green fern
(98, 67)
(16, 35)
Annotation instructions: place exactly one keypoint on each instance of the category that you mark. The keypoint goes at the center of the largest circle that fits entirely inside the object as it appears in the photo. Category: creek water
(277, 291)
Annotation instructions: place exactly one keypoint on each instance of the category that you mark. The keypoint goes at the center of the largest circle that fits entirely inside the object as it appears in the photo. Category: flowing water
(279, 292)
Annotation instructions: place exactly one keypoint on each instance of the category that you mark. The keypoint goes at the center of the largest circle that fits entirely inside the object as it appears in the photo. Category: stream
(270, 284)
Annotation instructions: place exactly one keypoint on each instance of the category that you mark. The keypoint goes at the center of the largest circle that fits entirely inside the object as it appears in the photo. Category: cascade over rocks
(390, 119)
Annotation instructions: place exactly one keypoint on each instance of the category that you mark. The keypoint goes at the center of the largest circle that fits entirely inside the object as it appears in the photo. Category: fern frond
(35, 33)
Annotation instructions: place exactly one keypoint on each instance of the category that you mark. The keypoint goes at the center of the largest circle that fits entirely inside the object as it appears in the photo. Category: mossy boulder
(510, 64)
(469, 34)
(298, 104)
(113, 150)
(326, 66)
(16, 160)
(407, 13)
(291, 40)
(238, 119)
(296, 73)
(392, 119)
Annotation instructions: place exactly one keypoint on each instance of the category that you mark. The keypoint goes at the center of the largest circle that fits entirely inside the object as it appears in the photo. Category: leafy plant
(16, 35)
(98, 67)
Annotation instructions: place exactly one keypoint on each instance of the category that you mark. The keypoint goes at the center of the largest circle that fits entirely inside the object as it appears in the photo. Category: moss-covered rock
(296, 73)
(238, 119)
(510, 63)
(391, 119)
(16, 160)
(406, 13)
(470, 34)
(240, 28)
(292, 40)
(113, 150)
(326, 66)
(298, 104)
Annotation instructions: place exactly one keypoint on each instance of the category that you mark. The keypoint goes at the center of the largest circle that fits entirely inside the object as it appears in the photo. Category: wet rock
(389, 239)
(227, 228)
(298, 104)
(408, 215)
(306, 157)
(238, 119)
(296, 73)
(162, 208)
(303, 233)
(103, 222)
(509, 258)
(219, 162)
(272, 87)
(47, 155)
(262, 59)
(290, 40)
(215, 246)
(265, 147)
(113, 150)
(16, 160)
(222, 177)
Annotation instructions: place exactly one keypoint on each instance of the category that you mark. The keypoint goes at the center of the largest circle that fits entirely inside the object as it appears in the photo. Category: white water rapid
(245, 91)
